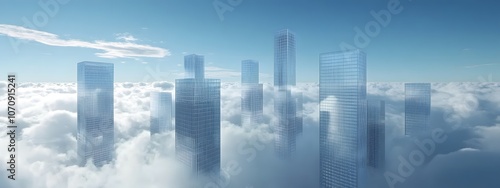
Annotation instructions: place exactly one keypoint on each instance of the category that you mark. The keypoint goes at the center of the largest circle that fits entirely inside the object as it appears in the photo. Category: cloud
(125, 49)
(164, 85)
(480, 65)
(125, 36)
(467, 112)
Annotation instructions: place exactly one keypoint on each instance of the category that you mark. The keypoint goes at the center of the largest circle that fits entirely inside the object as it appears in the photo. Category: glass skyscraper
(249, 72)
(284, 59)
(194, 66)
(95, 129)
(160, 112)
(298, 107)
(251, 93)
(376, 134)
(417, 108)
(284, 104)
(343, 132)
(197, 123)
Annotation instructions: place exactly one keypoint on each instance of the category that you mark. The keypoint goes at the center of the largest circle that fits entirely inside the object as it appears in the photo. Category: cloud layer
(126, 49)
(469, 113)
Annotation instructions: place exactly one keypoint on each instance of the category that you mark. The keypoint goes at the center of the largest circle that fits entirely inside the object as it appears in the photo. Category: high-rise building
(95, 129)
(417, 108)
(299, 107)
(376, 134)
(160, 112)
(249, 72)
(284, 59)
(197, 123)
(284, 104)
(251, 94)
(342, 96)
(194, 66)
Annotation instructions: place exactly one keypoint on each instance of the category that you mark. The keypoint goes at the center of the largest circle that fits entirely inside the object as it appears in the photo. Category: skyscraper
(197, 123)
(342, 95)
(95, 129)
(299, 106)
(284, 105)
(161, 112)
(376, 134)
(249, 72)
(417, 108)
(194, 66)
(251, 93)
(284, 59)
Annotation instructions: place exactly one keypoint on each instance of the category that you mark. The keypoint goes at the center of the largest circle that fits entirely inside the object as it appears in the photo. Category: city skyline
(250, 94)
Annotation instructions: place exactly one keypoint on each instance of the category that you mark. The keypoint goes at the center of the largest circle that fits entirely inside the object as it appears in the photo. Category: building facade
(194, 66)
(197, 123)
(252, 99)
(284, 104)
(343, 131)
(160, 112)
(95, 129)
(376, 134)
(417, 108)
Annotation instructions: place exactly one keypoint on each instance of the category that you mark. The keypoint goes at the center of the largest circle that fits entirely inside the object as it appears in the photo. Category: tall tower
(376, 134)
(197, 122)
(160, 112)
(284, 104)
(284, 59)
(299, 108)
(417, 108)
(95, 134)
(194, 66)
(342, 96)
(251, 94)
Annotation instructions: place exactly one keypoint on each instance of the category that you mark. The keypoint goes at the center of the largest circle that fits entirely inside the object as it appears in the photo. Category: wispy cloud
(480, 65)
(125, 36)
(126, 49)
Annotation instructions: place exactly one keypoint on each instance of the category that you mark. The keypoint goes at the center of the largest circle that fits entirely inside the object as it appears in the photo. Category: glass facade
(284, 128)
(376, 134)
(251, 94)
(194, 66)
(284, 105)
(417, 108)
(249, 72)
(95, 129)
(284, 59)
(299, 106)
(160, 112)
(342, 93)
(197, 124)
(252, 102)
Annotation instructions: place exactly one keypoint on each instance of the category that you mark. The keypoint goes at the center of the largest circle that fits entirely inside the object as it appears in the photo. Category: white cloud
(47, 148)
(125, 36)
(125, 49)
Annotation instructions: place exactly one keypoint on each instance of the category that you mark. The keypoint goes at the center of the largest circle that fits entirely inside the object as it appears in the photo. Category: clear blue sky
(428, 41)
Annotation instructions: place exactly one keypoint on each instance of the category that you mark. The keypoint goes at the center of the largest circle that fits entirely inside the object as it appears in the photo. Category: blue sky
(427, 41)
